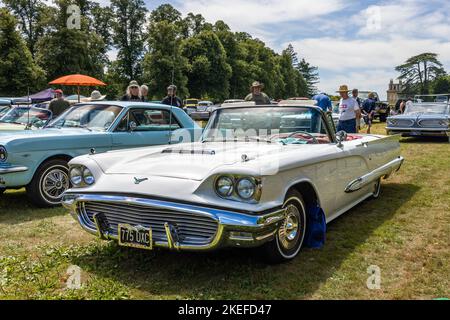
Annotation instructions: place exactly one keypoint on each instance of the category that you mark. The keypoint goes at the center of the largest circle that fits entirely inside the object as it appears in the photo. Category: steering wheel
(305, 133)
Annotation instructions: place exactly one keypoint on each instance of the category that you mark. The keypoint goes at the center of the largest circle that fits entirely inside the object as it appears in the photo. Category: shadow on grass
(239, 274)
(15, 207)
(424, 140)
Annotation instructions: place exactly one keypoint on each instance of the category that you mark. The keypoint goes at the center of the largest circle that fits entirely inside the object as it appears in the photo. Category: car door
(144, 127)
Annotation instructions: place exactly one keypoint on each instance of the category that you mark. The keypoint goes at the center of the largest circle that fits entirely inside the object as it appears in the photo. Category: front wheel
(49, 183)
(290, 234)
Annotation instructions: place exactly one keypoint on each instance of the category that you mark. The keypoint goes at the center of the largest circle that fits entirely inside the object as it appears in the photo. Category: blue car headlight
(3, 154)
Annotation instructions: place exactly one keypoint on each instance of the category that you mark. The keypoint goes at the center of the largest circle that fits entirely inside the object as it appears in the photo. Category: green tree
(164, 63)
(208, 70)
(129, 36)
(441, 85)
(311, 75)
(18, 72)
(66, 51)
(33, 19)
(419, 71)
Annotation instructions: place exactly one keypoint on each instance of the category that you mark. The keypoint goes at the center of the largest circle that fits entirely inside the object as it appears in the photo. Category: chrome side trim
(383, 171)
(13, 169)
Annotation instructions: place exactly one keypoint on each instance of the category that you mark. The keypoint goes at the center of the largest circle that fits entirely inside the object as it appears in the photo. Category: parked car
(38, 159)
(5, 106)
(382, 110)
(421, 119)
(25, 118)
(262, 176)
(190, 105)
(203, 111)
(231, 101)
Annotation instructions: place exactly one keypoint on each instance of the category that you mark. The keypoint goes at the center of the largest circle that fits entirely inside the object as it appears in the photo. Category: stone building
(394, 92)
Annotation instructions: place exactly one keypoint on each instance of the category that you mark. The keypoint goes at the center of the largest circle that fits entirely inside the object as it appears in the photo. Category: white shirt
(347, 109)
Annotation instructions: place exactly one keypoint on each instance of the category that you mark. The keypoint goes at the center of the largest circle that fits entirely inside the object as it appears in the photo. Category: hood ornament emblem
(139, 181)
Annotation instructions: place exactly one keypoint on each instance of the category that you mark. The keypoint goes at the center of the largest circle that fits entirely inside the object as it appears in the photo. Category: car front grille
(193, 229)
(431, 123)
(404, 123)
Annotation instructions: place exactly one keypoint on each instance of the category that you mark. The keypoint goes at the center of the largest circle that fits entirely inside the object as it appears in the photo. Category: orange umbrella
(78, 80)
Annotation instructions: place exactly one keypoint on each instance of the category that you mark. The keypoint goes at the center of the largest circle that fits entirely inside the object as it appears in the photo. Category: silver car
(421, 119)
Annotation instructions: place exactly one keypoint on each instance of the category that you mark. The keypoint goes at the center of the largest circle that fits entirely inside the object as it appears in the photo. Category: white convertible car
(261, 176)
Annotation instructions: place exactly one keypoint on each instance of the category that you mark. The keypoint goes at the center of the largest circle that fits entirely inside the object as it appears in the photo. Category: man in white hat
(349, 112)
(256, 95)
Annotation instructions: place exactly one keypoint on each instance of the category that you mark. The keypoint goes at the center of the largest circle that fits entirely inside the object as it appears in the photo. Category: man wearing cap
(368, 110)
(133, 92)
(349, 112)
(171, 99)
(256, 95)
(58, 105)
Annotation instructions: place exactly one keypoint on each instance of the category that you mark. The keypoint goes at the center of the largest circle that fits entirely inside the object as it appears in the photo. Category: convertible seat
(353, 136)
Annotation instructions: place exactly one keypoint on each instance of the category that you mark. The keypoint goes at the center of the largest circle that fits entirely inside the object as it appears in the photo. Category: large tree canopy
(419, 71)
(18, 72)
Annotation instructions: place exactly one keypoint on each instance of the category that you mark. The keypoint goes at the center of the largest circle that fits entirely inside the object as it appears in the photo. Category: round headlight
(88, 177)
(3, 154)
(76, 176)
(246, 188)
(224, 186)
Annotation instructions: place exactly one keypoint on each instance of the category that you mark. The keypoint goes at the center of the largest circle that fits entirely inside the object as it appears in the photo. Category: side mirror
(341, 136)
(132, 126)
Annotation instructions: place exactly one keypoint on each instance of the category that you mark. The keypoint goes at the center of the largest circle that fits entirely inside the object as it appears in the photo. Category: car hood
(12, 126)
(421, 116)
(200, 160)
(25, 138)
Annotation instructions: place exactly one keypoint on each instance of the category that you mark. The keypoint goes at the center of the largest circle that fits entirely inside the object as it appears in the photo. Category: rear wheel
(49, 183)
(290, 234)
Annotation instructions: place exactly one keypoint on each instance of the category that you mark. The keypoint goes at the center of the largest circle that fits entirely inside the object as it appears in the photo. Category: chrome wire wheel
(54, 183)
(290, 229)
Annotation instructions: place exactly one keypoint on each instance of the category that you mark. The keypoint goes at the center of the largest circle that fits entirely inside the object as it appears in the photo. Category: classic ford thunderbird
(38, 159)
(262, 176)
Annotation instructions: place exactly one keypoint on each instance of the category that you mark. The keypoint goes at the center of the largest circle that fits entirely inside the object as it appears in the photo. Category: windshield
(4, 109)
(24, 115)
(287, 125)
(415, 108)
(191, 101)
(92, 117)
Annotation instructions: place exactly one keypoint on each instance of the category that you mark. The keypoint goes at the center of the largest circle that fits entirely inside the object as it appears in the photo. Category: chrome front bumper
(234, 229)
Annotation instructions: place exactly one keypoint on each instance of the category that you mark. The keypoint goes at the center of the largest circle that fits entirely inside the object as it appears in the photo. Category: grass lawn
(405, 233)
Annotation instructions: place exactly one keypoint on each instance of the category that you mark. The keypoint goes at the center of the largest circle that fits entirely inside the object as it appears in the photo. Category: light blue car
(38, 159)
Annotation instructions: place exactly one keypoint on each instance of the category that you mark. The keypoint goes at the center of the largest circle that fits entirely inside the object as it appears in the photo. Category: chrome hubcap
(55, 182)
(289, 230)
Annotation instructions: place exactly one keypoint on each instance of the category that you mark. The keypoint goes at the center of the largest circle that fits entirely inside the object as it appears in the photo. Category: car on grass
(269, 177)
(190, 105)
(421, 119)
(203, 111)
(5, 106)
(25, 118)
(38, 159)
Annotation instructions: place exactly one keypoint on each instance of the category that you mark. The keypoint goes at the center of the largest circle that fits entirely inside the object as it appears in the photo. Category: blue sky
(352, 42)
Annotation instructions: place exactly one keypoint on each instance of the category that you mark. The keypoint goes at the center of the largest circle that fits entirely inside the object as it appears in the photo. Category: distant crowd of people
(351, 108)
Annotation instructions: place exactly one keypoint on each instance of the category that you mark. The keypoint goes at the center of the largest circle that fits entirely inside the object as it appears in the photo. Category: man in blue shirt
(323, 101)
(368, 110)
